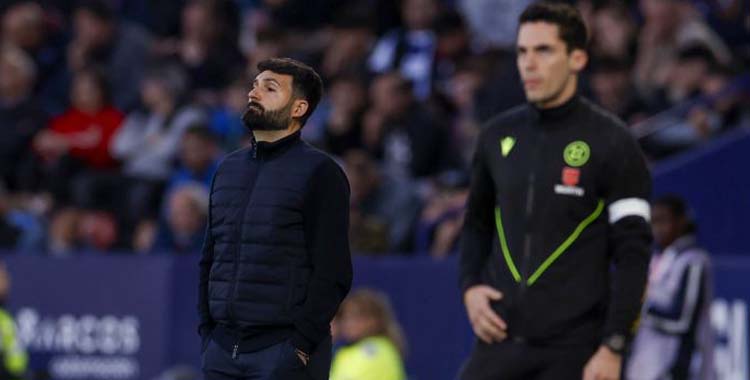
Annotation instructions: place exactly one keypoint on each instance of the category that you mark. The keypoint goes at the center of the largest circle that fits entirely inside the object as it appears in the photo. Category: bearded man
(275, 263)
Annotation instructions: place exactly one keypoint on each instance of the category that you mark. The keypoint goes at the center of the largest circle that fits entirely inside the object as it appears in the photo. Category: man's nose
(529, 63)
(253, 95)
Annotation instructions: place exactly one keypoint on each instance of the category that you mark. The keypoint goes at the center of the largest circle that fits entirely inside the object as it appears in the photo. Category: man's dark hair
(306, 83)
(569, 22)
(679, 209)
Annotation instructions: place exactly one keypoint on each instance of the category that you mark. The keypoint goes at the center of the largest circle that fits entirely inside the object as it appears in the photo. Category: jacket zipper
(238, 235)
(529, 212)
(529, 229)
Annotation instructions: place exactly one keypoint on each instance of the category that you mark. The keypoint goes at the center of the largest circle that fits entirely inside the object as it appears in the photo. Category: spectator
(501, 89)
(613, 89)
(729, 19)
(10, 235)
(76, 145)
(149, 139)
(184, 229)
(226, 118)
(453, 46)
(410, 50)
(686, 124)
(207, 47)
(346, 103)
(384, 209)
(25, 25)
(692, 65)
(198, 158)
(675, 338)
(410, 139)
(62, 239)
(461, 92)
(443, 216)
(418, 116)
(287, 14)
(613, 32)
(270, 42)
(75, 230)
(727, 103)
(144, 236)
(494, 23)
(120, 48)
(352, 40)
(19, 229)
(98, 231)
(669, 25)
(375, 341)
(15, 358)
(20, 117)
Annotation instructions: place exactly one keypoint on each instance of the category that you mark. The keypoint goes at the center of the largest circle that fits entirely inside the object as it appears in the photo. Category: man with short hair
(555, 244)
(675, 340)
(275, 264)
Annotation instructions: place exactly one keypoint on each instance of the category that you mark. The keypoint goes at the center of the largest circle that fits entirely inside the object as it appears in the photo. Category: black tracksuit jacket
(557, 220)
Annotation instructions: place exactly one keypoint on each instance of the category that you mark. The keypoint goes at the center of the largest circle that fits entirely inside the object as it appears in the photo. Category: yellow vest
(13, 355)
(373, 358)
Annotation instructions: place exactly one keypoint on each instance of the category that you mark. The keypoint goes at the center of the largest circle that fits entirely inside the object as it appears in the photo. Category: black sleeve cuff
(617, 343)
(468, 283)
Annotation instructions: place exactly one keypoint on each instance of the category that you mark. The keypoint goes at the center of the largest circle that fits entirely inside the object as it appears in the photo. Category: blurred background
(114, 115)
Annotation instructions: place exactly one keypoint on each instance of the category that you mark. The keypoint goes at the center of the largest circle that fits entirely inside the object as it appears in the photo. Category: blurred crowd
(116, 113)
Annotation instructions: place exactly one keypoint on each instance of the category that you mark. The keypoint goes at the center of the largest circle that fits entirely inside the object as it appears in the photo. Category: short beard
(256, 118)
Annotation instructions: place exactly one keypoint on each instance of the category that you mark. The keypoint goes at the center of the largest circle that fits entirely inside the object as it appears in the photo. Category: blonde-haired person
(375, 340)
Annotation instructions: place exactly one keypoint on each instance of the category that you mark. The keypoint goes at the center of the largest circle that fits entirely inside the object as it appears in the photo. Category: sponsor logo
(506, 145)
(83, 346)
(570, 176)
(576, 154)
(729, 320)
(569, 190)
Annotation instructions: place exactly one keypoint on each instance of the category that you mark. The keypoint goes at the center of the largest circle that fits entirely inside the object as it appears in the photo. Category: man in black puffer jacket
(275, 264)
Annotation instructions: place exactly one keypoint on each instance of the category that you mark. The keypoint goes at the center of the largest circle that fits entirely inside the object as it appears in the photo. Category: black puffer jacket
(276, 260)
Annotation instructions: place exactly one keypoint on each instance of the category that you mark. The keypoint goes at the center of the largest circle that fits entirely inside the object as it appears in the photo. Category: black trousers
(277, 362)
(510, 360)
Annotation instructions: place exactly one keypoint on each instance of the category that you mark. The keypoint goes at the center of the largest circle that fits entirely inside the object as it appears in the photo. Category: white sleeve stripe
(629, 207)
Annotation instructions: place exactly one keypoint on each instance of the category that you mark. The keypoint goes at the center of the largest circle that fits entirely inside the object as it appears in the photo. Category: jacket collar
(268, 149)
(556, 113)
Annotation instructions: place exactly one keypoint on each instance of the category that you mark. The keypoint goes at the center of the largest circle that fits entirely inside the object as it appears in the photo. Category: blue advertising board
(128, 317)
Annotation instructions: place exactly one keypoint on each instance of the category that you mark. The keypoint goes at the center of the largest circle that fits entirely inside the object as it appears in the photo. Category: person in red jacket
(76, 143)
(86, 128)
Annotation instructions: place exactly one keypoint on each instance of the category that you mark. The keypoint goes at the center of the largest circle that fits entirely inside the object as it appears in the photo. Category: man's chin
(533, 97)
(260, 126)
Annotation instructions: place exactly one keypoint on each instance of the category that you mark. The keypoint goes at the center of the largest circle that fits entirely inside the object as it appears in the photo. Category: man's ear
(578, 60)
(299, 108)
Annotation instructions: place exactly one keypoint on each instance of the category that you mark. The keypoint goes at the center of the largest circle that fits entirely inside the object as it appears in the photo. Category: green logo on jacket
(506, 145)
(577, 153)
